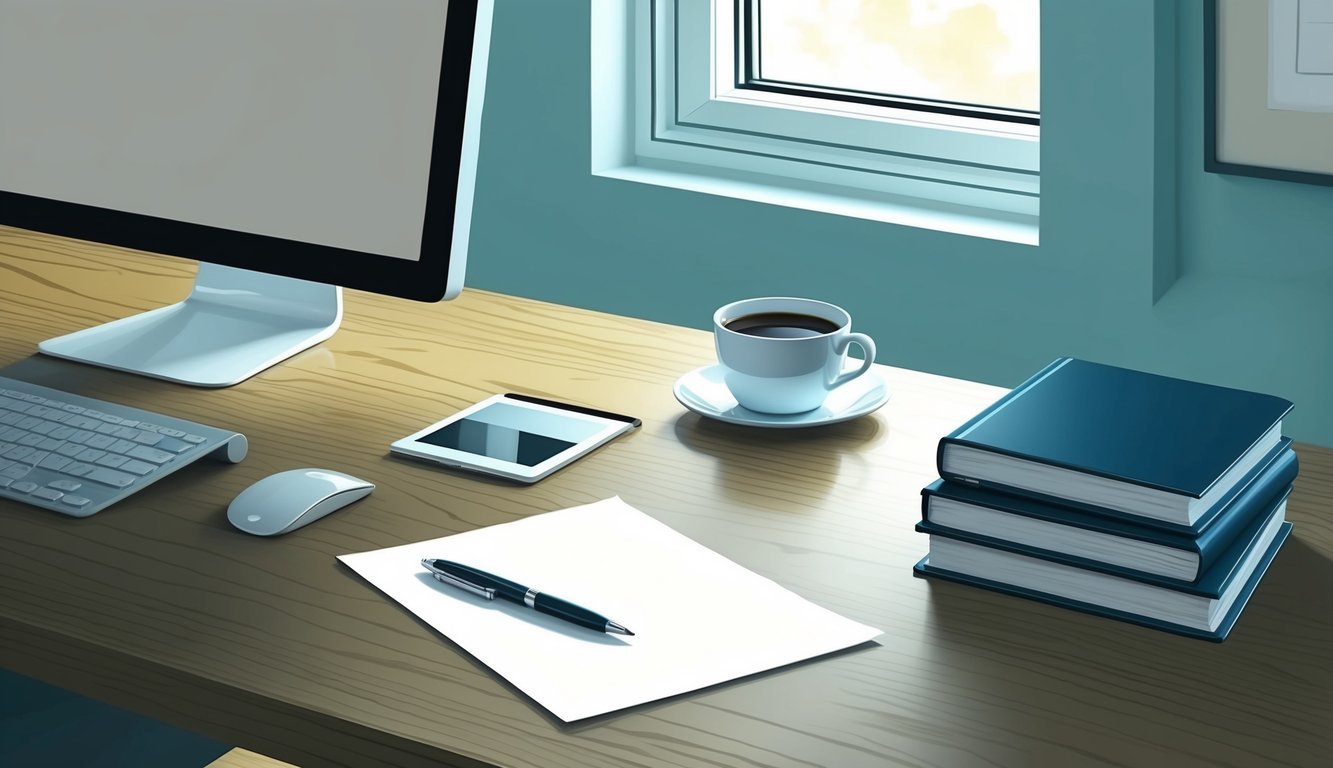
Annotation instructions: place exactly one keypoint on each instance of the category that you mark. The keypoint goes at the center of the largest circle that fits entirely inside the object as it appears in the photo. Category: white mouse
(285, 501)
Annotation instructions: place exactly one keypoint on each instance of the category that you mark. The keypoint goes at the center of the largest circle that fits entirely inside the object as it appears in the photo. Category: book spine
(1250, 504)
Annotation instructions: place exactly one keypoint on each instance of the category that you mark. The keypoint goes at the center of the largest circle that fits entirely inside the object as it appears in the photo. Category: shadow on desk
(988, 645)
(807, 460)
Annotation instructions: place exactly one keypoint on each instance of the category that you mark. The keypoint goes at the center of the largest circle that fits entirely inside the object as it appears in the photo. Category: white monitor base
(234, 324)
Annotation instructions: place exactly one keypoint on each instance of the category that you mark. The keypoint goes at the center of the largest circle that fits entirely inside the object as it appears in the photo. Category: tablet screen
(513, 434)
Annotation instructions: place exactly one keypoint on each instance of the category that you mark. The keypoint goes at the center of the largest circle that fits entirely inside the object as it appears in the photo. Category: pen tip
(617, 629)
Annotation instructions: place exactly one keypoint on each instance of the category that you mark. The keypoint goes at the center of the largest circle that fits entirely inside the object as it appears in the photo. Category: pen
(490, 586)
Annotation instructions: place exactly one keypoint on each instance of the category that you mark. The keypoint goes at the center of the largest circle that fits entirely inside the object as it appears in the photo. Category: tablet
(518, 437)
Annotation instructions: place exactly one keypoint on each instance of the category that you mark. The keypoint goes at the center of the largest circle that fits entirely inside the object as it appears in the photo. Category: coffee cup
(784, 355)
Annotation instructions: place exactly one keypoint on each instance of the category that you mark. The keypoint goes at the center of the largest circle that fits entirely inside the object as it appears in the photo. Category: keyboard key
(36, 457)
(64, 485)
(15, 471)
(61, 432)
(81, 436)
(10, 418)
(23, 486)
(105, 429)
(78, 469)
(148, 438)
(171, 432)
(100, 441)
(121, 446)
(55, 462)
(194, 439)
(125, 433)
(48, 444)
(30, 439)
(149, 454)
(28, 422)
(90, 454)
(72, 408)
(137, 467)
(110, 418)
(19, 453)
(112, 460)
(5, 481)
(75, 501)
(70, 449)
(47, 493)
(111, 477)
(172, 445)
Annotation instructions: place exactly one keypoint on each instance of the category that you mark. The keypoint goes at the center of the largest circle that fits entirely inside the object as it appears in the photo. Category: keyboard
(77, 455)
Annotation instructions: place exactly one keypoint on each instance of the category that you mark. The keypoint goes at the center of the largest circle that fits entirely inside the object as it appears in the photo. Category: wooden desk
(274, 646)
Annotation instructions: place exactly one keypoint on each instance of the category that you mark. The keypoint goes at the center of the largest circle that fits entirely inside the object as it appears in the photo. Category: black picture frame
(1211, 162)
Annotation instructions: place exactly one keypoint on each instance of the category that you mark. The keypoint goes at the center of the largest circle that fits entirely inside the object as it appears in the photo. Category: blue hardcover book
(1207, 609)
(1051, 528)
(1116, 440)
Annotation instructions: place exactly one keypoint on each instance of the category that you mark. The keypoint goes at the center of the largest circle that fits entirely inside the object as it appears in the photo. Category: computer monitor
(291, 146)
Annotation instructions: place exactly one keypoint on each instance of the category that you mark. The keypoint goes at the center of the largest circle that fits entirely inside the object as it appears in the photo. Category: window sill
(827, 198)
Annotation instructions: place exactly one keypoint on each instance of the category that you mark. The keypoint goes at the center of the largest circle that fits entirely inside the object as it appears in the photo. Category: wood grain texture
(244, 758)
(272, 645)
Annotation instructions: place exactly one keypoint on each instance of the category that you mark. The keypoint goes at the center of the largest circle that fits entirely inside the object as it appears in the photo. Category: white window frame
(666, 110)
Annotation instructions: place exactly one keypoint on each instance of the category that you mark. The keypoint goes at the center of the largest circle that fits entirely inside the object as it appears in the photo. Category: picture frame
(1268, 90)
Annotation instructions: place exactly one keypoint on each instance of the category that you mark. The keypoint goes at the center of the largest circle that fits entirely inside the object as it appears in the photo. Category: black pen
(490, 586)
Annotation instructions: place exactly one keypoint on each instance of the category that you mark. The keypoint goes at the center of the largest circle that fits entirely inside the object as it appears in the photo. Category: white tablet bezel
(449, 457)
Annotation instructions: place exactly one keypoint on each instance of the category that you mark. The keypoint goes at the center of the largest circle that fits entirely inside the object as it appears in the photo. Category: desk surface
(273, 645)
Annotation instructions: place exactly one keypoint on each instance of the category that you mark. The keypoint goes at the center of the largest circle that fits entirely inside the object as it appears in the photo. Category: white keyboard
(76, 455)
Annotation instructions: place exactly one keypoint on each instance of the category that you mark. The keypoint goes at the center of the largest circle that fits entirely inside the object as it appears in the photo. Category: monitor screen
(319, 139)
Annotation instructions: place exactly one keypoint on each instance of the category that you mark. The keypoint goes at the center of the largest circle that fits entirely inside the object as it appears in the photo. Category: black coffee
(781, 325)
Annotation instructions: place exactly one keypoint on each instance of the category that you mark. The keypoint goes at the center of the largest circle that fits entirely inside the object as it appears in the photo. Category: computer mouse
(283, 502)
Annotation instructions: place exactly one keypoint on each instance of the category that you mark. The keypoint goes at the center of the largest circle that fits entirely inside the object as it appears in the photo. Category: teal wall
(1241, 269)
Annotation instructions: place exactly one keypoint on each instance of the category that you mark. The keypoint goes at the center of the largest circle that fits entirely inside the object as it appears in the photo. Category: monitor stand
(234, 324)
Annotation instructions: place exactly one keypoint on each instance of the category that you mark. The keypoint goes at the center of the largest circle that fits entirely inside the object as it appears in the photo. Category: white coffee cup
(784, 355)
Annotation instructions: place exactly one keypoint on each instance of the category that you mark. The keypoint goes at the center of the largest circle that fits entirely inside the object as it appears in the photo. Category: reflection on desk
(272, 645)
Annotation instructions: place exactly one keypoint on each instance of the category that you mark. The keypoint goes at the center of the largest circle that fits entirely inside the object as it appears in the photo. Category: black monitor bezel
(422, 280)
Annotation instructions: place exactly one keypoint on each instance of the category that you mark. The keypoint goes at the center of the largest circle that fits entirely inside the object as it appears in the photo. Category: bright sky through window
(982, 52)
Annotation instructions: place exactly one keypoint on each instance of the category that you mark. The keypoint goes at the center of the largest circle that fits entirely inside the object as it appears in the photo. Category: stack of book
(1126, 494)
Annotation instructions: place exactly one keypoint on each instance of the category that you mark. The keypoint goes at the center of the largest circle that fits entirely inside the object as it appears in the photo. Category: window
(970, 57)
(923, 112)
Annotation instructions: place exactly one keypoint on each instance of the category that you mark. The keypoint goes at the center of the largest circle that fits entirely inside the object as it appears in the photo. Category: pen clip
(463, 584)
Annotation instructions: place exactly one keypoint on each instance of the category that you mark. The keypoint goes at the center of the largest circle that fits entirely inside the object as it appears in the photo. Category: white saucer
(703, 391)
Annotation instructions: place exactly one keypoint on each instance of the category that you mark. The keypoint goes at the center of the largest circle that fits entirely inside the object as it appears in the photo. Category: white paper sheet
(699, 619)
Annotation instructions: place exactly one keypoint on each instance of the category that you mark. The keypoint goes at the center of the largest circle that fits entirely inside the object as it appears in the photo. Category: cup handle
(867, 345)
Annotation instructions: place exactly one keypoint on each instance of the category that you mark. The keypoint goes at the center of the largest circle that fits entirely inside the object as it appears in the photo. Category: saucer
(704, 392)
